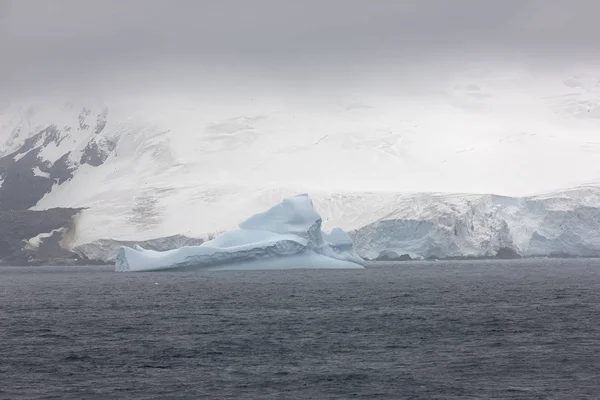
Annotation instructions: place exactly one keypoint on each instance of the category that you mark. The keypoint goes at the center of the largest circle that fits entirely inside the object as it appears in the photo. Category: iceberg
(286, 236)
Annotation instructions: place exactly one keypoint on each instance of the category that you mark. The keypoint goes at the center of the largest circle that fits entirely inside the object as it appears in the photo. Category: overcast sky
(89, 44)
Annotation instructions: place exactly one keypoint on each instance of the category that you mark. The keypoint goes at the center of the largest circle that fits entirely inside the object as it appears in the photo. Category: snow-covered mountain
(149, 169)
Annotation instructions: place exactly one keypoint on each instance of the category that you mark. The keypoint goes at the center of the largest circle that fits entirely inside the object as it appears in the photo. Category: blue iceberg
(287, 236)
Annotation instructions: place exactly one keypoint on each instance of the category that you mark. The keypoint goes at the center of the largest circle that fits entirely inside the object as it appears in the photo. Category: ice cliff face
(440, 226)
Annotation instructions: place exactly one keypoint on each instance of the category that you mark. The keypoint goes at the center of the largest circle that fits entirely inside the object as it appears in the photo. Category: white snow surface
(76, 123)
(286, 236)
(452, 225)
(38, 172)
(196, 165)
(34, 242)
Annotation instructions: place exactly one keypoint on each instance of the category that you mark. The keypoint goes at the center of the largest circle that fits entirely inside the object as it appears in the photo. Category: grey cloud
(67, 41)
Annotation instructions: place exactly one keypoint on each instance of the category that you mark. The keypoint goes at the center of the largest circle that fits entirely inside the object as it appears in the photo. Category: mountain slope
(44, 151)
(145, 169)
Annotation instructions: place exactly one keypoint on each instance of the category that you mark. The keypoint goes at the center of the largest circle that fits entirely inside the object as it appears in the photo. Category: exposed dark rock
(49, 252)
(43, 138)
(26, 177)
(507, 253)
(18, 226)
(22, 188)
(98, 149)
(62, 169)
(50, 134)
(96, 153)
(85, 112)
(389, 255)
(101, 121)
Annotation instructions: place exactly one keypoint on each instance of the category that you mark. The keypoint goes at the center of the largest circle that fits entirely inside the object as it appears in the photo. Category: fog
(67, 47)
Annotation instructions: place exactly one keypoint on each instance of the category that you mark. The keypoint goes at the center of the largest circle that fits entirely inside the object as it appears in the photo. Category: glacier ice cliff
(286, 236)
(564, 223)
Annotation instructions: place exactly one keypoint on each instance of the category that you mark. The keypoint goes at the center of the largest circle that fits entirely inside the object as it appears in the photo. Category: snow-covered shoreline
(440, 226)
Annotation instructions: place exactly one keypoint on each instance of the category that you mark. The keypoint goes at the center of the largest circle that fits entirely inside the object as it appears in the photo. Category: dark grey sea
(527, 329)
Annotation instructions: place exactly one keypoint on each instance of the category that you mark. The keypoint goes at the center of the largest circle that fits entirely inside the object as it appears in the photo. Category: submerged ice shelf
(286, 236)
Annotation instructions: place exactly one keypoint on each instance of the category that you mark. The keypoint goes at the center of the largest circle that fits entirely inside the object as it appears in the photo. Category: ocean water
(526, 329)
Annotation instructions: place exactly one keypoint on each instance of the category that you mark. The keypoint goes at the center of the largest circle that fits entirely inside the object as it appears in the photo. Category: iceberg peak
(292, 215)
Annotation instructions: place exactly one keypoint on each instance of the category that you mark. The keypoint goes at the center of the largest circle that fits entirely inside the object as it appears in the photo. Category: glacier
(286, 236)
(157, 166)
(562, 223)
(166, 172)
